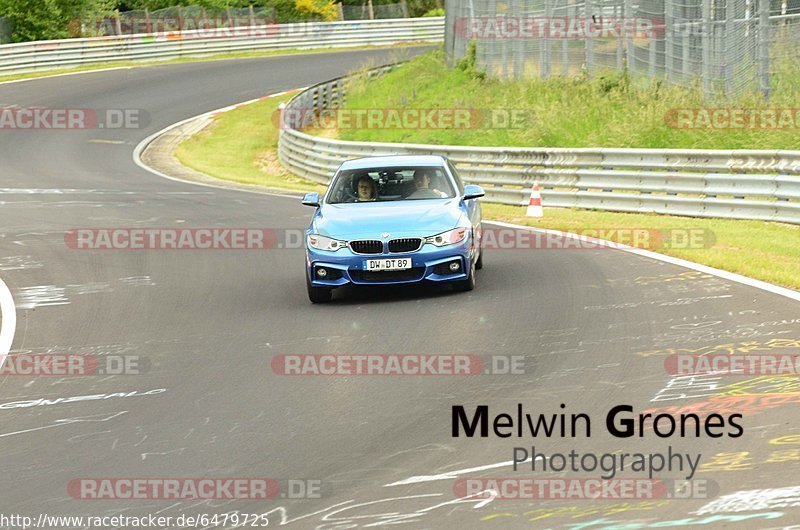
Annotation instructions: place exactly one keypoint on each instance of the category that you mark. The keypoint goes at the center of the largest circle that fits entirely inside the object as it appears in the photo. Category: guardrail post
(340, 92)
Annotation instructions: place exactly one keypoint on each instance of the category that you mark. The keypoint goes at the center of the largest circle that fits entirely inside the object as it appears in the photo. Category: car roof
(393, 160)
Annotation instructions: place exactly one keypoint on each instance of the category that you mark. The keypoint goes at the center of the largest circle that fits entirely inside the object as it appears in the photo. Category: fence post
(340, 9)
(618, 14)
(686, 42)
(730, 34)
(589, 43)
(517, 43)
(630, 52)
(706, 45)
(147, 23)
(544, 62)
(371, 10)
(487, 46)
(669, 40)
(252, 15)
(451, 26)
(118, 25)
(565, 41)
(404, 7)
(763, 48)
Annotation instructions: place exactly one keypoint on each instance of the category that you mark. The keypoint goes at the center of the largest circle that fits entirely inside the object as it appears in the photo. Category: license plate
(387, 264)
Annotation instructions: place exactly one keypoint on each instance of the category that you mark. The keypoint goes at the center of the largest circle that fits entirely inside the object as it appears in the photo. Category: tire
(468, 284)
(479, 262)
(318, 295)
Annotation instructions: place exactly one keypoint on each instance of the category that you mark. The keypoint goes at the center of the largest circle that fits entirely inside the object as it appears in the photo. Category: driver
(367, 191)
(422, 181)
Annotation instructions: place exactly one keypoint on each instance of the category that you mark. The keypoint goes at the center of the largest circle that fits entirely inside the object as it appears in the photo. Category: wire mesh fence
(729, 46)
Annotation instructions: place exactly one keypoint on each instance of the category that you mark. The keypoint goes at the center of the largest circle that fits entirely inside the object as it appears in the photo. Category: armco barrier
(762, 185)
(46, 55)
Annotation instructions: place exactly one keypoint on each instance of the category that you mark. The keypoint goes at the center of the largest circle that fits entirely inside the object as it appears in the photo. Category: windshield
(391, 184)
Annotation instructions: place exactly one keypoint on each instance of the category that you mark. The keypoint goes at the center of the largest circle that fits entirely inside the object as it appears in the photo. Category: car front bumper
(430, 263)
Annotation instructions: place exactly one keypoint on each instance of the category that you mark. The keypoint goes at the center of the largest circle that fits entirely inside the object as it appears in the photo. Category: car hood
(398, 219)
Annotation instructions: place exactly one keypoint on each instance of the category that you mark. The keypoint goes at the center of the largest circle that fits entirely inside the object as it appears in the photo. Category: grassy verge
(608, 110)
(217, 57)
(241, 145)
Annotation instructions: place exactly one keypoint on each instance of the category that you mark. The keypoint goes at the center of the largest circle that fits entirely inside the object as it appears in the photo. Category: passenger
(367, 191)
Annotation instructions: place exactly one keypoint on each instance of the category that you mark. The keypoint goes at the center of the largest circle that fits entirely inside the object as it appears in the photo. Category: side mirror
(311, 199)
(472, 191)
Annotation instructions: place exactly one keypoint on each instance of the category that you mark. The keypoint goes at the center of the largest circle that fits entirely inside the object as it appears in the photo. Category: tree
(49, 19)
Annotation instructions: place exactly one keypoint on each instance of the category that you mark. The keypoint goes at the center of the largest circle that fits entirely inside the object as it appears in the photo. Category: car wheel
(318, 295)
(479, 262)
(469, 283)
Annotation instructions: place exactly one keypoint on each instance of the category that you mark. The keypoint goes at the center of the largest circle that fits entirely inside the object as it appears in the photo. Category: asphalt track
(209, 322)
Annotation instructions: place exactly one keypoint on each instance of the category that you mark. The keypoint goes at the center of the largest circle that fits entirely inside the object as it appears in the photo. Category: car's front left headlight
(325, 243)
(451, 237)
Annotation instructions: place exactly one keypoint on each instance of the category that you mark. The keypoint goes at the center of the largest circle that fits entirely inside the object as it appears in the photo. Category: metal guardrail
(44, 55)
(762, 185)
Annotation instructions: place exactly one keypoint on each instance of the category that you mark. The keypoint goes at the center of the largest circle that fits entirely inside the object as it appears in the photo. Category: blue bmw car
(393, 220)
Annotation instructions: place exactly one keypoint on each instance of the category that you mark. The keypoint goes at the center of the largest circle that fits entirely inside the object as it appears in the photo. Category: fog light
(455, 266)
(321, 272)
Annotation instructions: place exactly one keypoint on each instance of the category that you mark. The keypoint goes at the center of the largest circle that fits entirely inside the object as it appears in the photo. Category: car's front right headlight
(451, 237)
(325, 243)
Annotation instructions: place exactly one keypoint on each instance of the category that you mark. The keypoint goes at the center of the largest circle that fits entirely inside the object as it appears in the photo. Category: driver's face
(364, 190)
(423, 180)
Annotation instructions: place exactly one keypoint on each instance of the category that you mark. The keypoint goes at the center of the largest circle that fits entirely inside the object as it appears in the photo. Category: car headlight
(451, 237)
(325, 243)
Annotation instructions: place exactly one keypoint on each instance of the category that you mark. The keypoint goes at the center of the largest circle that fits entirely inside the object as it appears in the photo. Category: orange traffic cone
(535, 205)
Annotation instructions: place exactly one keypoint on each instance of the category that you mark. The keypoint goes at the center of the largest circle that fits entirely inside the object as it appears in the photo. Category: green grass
(241, 146)
(609, 110)
(216, 57)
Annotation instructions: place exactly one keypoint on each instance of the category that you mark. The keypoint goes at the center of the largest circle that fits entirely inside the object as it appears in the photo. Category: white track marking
(8, 325)
(449, 475)
(730, 276)
(68, 421)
